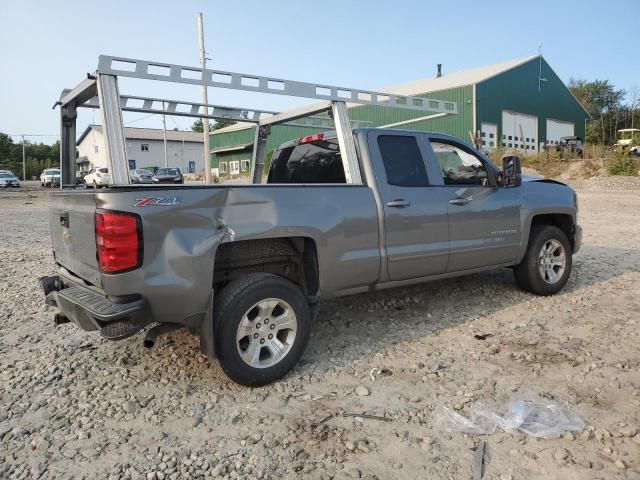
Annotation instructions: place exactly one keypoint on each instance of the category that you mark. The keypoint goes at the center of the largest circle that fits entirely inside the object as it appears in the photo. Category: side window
(458, 166)
(403, 162)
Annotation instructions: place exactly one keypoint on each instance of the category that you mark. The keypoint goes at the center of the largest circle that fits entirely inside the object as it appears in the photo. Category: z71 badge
(157, 202)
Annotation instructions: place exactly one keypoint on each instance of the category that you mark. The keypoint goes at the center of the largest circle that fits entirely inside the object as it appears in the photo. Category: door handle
(398, 203)
(460, 201)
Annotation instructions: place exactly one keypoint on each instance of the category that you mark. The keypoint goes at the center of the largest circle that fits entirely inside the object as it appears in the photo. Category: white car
(49, 177)
(97, 177)
(8, 179)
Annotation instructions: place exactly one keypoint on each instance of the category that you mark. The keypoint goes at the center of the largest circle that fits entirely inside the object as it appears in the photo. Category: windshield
(168, 171)
(52, 171)
(6, 175)
(141, 172)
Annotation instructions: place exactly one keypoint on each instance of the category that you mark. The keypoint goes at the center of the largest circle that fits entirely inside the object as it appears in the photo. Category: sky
(49, 45)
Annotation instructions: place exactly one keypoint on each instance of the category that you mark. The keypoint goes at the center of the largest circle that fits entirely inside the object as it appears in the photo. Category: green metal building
(521, 104)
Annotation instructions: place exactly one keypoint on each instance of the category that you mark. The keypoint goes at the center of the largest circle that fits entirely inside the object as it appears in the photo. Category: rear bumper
(90, 310)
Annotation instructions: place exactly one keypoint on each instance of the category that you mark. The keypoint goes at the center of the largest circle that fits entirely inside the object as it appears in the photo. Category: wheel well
(294, 258)
(561, 220)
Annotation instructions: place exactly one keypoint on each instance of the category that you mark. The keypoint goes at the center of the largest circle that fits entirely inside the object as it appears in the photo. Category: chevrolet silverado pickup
(244, 267)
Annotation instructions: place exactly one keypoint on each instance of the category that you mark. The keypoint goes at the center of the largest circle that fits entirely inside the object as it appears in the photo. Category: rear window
(168, 171)
(317, 162)
(52, 171)
(103, 170)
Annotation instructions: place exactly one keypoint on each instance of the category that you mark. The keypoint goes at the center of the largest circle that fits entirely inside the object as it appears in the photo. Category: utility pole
(164, 136)
(205, 121)
(24, 162)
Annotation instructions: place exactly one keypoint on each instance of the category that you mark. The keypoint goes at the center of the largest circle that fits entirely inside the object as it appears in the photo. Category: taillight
(118, 241)
(98, 174)
(311, 138)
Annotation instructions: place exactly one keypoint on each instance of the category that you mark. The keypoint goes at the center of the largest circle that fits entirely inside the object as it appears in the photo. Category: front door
(415, 212)
(484, 219)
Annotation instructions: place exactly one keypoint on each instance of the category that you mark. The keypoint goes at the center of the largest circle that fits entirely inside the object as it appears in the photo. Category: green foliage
(222, 123)
(623, 164)
(198, 127)
(604, 103)
(38, 156)
(590, 169)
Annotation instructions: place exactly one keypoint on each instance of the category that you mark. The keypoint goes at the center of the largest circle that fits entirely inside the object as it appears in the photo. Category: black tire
(527, 273)
(234, 302)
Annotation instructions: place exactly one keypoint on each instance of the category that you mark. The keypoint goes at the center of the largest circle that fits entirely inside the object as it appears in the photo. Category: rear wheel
(261, 328)
(546, 266)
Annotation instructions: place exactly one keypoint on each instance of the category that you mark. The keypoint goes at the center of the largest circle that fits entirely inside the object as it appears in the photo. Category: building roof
(233, 128)
(131, 133)
(456, 79)
(446, 81)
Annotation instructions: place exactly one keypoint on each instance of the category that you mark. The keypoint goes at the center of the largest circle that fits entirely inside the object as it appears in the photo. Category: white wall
(178, 153)
(87, 148)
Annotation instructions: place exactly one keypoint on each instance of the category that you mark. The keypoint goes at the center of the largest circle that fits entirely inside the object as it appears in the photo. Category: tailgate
(72, 227)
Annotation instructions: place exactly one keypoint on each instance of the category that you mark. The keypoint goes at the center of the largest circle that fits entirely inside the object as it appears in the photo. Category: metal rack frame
(100, 90)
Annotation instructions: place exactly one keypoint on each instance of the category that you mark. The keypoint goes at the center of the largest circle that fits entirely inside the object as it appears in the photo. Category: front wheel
(261, 328)
(546, 266)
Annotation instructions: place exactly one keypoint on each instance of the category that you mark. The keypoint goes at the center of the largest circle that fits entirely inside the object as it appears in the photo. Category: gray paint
(361, 243)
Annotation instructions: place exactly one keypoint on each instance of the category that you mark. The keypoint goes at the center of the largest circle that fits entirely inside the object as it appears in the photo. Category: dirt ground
(73, 405)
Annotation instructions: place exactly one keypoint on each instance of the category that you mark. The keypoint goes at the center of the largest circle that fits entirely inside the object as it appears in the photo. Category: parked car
(9, 180)
(140, 175)
(570, 147)
(168, 175)
(80, 176)
(50, 177)
(97, 177)
(245, 267)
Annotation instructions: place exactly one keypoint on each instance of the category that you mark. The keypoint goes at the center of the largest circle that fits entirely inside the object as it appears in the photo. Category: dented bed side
(184, 227)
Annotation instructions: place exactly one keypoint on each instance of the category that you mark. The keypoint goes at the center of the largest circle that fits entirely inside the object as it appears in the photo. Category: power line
(138, 119)
(32, 135)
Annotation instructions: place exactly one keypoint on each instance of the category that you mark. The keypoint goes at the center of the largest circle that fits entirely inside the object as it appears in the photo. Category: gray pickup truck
(244, 266)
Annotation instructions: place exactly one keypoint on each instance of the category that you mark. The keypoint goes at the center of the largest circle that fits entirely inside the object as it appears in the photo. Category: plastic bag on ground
(525, 411)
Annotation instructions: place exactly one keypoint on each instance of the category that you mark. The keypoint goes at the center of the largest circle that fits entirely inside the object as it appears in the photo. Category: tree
(197, 125)
(604, 103)
(38, 156)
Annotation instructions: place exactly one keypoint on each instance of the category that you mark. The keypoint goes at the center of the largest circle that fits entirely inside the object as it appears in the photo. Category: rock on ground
(73, 405)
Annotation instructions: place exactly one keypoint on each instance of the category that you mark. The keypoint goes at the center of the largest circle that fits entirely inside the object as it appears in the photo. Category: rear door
(484, 219)
(72, 227)
(415, 212)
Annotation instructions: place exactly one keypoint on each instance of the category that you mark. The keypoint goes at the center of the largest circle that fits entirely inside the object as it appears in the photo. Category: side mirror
(511, 171)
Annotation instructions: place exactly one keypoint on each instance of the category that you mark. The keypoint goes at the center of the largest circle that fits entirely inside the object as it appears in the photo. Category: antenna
(540, 77)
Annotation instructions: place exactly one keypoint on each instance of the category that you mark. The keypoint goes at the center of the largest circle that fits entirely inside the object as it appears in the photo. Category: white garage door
(557, 129)
(519, 131)
(489, 134)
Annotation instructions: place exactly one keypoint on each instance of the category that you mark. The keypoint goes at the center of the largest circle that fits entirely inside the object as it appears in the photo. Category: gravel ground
(75, 406)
